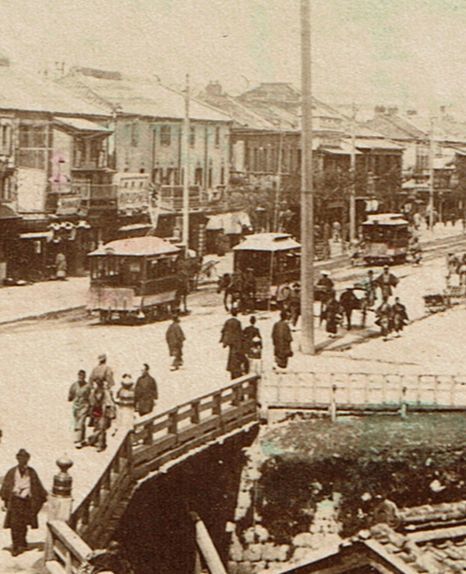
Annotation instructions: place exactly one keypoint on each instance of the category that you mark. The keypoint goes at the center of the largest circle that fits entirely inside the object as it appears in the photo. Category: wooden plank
(70, 539)
(142, 453)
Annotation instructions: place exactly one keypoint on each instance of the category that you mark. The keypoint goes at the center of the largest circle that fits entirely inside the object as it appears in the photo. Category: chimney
(214, 89)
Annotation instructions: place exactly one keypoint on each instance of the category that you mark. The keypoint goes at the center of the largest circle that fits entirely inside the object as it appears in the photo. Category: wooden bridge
(156, 442)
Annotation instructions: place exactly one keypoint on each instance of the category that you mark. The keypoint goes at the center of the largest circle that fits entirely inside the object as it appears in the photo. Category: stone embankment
(252, 548)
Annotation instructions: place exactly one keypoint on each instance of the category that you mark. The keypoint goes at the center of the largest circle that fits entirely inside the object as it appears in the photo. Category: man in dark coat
(175, 338)
(399, 316)
(23, 495)
(281, 338)
(232, 337)
(145, 392)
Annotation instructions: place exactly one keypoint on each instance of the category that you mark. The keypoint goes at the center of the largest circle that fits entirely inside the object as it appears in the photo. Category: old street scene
(232, 287)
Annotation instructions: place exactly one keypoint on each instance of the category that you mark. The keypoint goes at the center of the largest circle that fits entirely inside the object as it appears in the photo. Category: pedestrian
(283, 296)
(103, 411)
(175, 339)
(324, 287)
(224, 284)
(23, 496)
(124, 399)
(384, 319)
(145, 392)
(251, 331)
(232, 337)
(386, 281)
(399, 316)
(370, 286)
(282, 338)
(254, 356)
(348, 302)
(295, 304)
(60, 266)
(182, 288)
(102, 372)
(79, 394)
(249, 286)
(332, 315)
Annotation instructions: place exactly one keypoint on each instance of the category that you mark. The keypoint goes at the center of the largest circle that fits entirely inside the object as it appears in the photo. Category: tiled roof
(241, 114)
(22, 91)
(395, 127)
(142, 97)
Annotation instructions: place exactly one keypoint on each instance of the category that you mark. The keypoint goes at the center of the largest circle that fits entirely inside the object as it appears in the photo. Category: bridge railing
(162, 438)
(69, 550)
(98, 505)
(371, 391)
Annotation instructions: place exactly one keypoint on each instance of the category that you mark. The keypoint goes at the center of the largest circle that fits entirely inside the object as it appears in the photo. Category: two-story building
(50, 142)
(266, 151)
(147, 142)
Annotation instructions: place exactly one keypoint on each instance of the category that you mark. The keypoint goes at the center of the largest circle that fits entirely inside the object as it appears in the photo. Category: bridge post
(59, 502)
(403, 403)
(333, 404)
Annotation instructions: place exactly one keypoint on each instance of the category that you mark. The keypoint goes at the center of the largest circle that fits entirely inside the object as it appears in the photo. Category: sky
(411, 52)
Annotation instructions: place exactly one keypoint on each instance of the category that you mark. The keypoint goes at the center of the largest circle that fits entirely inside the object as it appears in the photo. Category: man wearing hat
(387, 282)
(325, 288)
(102, 372)
(23, 495)
(348, 302)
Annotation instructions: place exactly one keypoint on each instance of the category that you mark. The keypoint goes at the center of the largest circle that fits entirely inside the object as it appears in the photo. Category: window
(32, 145)
(134, 134)
(198, 176)
(5, 189)
(217, 137)
(222, 176)
(192, 136)
(165, 135)
(5, 139)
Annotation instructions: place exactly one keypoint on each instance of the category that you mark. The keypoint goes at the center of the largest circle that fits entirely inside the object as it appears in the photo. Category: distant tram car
(385, 239)
(133, 278)
(275, 259)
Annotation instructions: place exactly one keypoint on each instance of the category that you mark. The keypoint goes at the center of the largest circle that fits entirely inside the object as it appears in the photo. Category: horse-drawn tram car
(385, 238)
(133, 278)
(273, 257)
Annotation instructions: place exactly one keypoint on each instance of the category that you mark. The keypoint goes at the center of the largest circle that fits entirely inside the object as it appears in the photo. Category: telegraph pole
(276, 217)
(352, 205)
(307, 215)
(431, 175)
(186, 134)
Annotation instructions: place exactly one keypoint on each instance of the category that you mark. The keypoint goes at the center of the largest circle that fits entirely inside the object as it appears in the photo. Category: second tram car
(385, 239)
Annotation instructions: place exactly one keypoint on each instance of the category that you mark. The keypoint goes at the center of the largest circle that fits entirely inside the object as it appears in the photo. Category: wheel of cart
(436, 302)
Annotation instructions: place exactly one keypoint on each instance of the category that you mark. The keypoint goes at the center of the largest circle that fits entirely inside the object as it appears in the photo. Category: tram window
(158, 268)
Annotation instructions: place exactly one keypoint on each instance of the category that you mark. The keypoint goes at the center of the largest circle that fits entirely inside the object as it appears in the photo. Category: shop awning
(36, 235)
(82, 125)
(8, 213)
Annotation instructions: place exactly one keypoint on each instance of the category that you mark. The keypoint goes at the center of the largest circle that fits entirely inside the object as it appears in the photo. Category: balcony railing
(171, 197)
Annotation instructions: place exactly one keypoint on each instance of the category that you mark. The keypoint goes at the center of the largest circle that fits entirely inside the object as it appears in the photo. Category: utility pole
(307, 215)
(431, 175)
(279, 180)
(185, 163)
(352, 204)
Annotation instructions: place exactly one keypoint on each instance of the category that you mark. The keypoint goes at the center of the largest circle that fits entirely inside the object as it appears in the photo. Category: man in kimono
(281, 338)
(79, 395)
(102, 372)
(145, 392)
(175, 339)
(23, 495)
(232, 337)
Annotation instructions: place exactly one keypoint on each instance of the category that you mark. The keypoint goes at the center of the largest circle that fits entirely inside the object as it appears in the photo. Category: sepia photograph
(233, 287)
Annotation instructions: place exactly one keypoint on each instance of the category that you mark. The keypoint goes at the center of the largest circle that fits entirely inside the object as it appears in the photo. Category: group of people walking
(244, 345)
(334, 311)
(95, 405)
